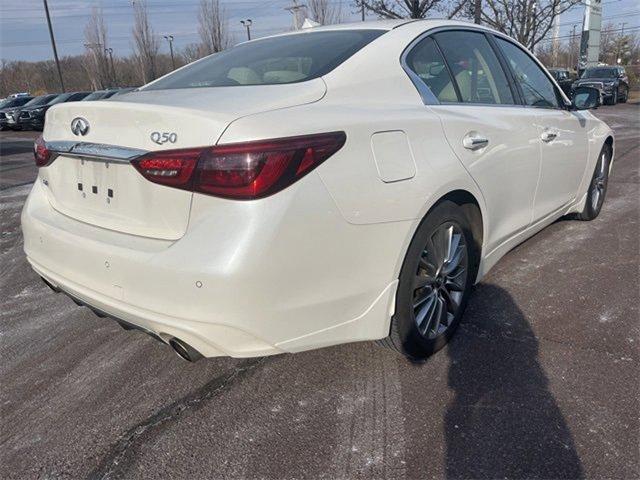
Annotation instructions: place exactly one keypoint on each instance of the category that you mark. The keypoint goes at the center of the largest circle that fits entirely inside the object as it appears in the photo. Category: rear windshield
(60, 98)
(271, 61)
(97, 95)
(42, 100)
(15, 102)
(600, 73)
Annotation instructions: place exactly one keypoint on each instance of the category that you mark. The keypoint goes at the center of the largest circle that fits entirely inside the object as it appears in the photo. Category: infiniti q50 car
(324, 186)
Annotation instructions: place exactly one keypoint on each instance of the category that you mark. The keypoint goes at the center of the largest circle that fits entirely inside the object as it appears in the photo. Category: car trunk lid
(92, 179)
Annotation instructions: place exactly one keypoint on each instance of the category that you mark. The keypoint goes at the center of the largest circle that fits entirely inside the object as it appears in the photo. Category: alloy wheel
(600, 182)
(440, 280)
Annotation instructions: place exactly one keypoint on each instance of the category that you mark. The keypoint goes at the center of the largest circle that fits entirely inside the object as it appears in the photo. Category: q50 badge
(163, 137)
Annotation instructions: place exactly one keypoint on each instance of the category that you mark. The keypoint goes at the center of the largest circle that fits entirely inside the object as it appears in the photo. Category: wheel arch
(609, 141)
(473, 210)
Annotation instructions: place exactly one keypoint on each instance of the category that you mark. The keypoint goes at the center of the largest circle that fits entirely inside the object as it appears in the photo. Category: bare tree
(324, 12)
(412, 8)
(145, 42)
(191, 52)
(213, 28)
(528, 21)
(95, 60)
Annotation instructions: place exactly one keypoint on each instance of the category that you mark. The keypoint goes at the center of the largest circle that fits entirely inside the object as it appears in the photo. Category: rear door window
(475, 67)
(271, 61)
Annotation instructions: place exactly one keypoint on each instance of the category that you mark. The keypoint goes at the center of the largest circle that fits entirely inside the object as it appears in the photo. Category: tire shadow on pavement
(504, 421)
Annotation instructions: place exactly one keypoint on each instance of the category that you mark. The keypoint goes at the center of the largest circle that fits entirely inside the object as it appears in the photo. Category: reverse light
(41, 153)
(241, 171)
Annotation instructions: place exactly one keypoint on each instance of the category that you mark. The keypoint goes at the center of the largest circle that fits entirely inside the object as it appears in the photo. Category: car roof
(422, 24)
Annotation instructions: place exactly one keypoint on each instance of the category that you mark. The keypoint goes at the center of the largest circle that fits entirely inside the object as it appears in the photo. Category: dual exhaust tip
(182, 349)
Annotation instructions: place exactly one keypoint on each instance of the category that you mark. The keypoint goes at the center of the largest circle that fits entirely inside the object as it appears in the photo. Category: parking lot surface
(541, 380)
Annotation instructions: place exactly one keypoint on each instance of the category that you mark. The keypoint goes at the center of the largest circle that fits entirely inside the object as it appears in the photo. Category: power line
(548, 39)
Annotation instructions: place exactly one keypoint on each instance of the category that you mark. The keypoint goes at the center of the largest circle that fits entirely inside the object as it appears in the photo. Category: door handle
(474, 141)
(548, 135)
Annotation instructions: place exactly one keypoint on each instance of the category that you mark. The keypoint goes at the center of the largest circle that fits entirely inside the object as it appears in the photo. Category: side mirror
(585, 98)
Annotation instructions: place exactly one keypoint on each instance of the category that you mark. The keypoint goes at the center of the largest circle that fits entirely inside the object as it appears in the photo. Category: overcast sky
(24, 35)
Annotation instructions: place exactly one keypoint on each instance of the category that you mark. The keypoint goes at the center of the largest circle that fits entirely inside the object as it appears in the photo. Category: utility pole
(247, 23)
(555, 46)
(53, 44)
(169, 38)
(620, 43)
(572, 46)
(477, 12)
(295, 10)
(114, 78)
(362, 10)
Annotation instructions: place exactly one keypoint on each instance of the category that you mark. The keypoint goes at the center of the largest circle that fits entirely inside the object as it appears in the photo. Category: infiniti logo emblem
(79, 126)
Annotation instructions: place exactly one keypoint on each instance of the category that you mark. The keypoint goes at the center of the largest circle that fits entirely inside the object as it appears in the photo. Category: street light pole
(114, 78)
(247, 23)
(169, 38)
(53, 45)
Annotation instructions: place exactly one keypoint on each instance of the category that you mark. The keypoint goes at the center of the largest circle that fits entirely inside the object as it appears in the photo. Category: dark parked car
(8, 106)
(32, 105)
(33, 117)
(99, 95)
(612, 82)
(564, 79)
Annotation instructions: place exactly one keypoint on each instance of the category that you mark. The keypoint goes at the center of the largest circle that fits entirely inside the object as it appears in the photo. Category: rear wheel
(435, 283)
(598, 186)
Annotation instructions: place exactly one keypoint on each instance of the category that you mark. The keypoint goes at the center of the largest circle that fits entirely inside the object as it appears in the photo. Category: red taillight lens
(173, 168)
(241, 170)
(41, 153)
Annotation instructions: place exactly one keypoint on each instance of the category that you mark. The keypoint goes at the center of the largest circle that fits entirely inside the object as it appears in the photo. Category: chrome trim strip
(95, 151)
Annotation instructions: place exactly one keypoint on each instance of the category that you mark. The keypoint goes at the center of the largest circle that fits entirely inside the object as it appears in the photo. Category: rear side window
(277, 60)
(537, 89)
(427, 63)
(475, 68)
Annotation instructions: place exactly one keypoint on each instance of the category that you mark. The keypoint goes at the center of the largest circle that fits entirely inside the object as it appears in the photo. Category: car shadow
(504, 421)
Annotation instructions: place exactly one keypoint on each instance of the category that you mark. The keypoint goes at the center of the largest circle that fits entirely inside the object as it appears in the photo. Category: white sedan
(331, 185)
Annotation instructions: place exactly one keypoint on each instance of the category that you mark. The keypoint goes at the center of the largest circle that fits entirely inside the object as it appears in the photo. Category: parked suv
(37, 104)
(564, 79)
(612, 82)
(7, 107)
(33, 117)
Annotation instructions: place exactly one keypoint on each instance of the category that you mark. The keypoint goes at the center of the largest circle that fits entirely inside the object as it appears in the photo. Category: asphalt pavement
(541, 381)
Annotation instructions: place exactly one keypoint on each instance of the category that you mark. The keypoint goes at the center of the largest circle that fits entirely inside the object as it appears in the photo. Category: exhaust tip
(184, 350)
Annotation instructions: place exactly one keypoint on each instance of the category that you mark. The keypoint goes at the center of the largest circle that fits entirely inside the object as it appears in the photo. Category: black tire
(624, 98)
(597, 186)
(405, 335)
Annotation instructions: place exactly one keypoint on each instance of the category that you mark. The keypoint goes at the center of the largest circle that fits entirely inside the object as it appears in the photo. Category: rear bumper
(282, 274)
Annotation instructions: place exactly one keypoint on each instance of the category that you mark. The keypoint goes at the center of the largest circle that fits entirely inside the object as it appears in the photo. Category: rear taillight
(41, 153)
(241, 170)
